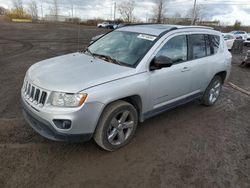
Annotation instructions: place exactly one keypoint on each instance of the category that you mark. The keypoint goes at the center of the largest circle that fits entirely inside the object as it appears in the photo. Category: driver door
(173, 83)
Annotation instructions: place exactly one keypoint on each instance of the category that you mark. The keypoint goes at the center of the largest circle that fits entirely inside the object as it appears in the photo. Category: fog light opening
(62, 124)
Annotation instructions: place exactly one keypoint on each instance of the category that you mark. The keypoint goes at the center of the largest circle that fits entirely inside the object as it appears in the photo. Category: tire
(116, 126)
(212, 92)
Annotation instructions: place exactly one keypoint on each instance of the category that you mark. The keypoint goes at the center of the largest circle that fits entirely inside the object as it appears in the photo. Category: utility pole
(194, 13)
(42, 18)
(114, 10)
(72, 11)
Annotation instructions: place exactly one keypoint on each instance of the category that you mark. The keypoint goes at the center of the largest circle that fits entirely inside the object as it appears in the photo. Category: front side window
(175, 49)
(197, 46)
(128, 48)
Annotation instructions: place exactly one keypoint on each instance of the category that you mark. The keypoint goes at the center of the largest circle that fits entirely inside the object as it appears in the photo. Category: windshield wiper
(87, 50)
(108, 58)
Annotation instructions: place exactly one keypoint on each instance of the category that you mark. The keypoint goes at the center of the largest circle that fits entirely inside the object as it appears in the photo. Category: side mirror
(160, 62)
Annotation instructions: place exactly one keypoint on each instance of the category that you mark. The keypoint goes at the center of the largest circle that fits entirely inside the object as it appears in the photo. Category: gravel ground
(190, 146)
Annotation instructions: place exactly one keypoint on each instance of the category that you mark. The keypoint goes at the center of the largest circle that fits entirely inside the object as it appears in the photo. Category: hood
(75, 72)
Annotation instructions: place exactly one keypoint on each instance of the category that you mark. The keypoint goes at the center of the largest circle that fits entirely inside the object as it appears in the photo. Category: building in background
(56, 18)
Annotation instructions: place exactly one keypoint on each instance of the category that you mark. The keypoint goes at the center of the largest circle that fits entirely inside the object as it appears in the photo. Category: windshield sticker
(146, 37)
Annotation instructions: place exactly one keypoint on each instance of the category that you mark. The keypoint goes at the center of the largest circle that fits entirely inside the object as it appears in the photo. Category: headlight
(68, 99)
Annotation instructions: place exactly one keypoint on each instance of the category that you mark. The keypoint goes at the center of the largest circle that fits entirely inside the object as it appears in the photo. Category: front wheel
(212, 92)
(116, 126)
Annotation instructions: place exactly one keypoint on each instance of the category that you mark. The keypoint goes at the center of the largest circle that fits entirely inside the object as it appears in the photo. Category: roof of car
(156, 29)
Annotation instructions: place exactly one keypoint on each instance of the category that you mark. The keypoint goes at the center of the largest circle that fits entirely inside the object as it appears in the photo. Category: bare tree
(55, 9)
(33, 9)
(18, 11)
(17, 4)
(3, 11)
(126, 10)
(176, 18)
(160, 10)
(237, 25)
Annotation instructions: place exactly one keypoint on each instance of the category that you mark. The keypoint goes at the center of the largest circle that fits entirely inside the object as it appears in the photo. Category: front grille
(34, 94)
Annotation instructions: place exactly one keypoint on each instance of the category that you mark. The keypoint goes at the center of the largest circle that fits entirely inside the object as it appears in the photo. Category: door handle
(184, 69)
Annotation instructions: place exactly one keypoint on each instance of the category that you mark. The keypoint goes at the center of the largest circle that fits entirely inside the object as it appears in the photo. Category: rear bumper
(45, 129)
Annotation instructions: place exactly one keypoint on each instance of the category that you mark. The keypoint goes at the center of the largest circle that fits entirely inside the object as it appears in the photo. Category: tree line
(158, 13)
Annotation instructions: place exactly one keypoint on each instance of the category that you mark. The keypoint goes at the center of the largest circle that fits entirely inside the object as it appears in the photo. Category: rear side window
(201, 45)
(197, 46)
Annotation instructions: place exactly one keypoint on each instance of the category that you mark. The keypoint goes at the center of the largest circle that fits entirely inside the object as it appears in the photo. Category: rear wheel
(212, 92)
(116, 126)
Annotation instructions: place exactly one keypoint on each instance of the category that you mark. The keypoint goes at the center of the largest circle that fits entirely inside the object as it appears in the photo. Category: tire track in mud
(26, 46)
(66, 40)
(57, 162)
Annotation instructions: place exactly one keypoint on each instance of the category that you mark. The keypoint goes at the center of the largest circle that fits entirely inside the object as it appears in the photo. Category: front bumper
(46, 130)
(82, 128)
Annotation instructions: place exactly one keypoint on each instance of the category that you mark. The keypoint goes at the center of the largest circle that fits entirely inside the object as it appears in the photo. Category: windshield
(128, 48)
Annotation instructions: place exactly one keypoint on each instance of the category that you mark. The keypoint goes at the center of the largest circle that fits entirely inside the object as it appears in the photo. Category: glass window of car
(197, 46)
(215, 42)
(209, 50)
(175, 49)
(228, 37)
(128, 48)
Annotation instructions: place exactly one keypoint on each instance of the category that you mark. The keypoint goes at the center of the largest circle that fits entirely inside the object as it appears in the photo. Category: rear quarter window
(215, 43)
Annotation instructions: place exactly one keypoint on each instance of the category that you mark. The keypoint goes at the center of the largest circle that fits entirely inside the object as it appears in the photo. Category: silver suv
(123, 78)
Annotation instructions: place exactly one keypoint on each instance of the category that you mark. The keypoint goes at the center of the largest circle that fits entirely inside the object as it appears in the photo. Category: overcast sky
(227, 11)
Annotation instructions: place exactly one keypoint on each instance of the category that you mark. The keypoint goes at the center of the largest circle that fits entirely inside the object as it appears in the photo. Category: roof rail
(134, 24)
(197, 26)
(181, 26)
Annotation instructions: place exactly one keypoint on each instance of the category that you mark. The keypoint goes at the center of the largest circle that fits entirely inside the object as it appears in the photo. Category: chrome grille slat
(28, 92)
(26, 85)
(39, 97)
(35, 94)
(32, 92)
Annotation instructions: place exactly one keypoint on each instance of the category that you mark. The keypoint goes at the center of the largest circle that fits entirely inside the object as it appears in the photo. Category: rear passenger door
(202, 58)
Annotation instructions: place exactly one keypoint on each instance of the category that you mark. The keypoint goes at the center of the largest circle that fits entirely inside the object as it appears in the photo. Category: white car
(229, 38)
(247, 41)
(103, 24)
(240, 34)
(107, 25)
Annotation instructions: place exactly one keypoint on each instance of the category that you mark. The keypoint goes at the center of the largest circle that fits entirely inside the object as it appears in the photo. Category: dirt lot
(190, 146)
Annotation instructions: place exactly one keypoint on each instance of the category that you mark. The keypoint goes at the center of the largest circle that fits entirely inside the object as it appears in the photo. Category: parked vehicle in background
(107, 25)
(229, 38)
(103, 24)
(128, 75)
(240, 34)
(247, 41)
(95, 38)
